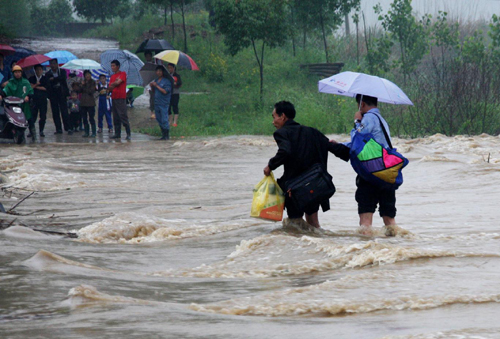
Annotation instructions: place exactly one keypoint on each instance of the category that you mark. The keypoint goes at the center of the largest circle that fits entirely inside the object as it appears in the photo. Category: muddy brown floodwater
(166, 247)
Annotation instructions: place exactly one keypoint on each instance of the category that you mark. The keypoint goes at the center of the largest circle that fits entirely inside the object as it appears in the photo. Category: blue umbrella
(21, 53)
(129, 63)
(61, 56)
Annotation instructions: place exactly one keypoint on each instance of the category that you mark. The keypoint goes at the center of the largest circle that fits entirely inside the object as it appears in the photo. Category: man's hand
(358, 115)
(267, 171)
(26, 99)
(333, 141)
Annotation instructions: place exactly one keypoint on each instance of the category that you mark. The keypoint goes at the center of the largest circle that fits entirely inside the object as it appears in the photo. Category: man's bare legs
(366, 220)
(313, 219)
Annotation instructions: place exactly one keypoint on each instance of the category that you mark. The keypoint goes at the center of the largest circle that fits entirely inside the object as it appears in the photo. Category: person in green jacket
(21, 88)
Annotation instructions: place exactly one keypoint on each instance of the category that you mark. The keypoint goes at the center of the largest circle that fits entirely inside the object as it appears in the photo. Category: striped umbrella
(97, 72)
(129, 63)
(178, 58)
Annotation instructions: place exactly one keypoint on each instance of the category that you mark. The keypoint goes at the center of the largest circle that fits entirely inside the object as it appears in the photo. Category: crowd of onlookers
(73, 99)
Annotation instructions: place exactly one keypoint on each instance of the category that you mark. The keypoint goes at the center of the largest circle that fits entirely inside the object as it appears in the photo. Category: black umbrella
(148, 73)
(21, 53)
(154, 45)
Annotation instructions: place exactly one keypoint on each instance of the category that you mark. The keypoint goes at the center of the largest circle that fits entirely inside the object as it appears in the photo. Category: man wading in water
(368, 195)
(300, 147)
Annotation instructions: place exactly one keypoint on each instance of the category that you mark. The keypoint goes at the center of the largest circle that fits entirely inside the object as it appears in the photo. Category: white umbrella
(82, 64)
(352, 83)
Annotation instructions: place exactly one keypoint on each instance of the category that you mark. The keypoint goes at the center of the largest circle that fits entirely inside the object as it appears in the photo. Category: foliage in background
(53, 17)
(93, 10)
(449, 69)
(14, 17)
(256, 24)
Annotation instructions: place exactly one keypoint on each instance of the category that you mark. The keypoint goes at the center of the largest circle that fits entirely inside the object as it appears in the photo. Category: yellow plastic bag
(268, 200)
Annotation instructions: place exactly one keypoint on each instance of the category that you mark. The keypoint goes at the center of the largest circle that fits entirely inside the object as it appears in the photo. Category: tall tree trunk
(293, 30)
(304, 38)
(357, 42)
(260, 62)
(324, 35)
(184, 27)
(172, 18)
(165, 15)
(347, 29)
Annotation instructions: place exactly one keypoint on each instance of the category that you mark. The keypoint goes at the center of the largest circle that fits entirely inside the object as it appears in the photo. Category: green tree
(410, 34)
(166, 5)
(182, 4)
(99, 9)
(320, 15)
(14, 17)
(252, 23)
(50, 20)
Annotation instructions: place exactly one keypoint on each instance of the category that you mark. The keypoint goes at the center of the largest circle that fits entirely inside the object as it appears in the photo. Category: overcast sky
(464, 10)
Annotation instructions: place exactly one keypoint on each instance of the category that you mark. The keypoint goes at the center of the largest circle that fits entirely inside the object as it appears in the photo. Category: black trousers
(368, 196)
(59, 107)
(174, 104)
(74, 120)
(39, 107)
(88, 115)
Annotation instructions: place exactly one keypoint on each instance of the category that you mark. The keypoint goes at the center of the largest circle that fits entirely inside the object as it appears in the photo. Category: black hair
(86, 71)
(102, 75)
(54, 59)
(163, 70)
(370, 101)
(285, 107)
(116, 62)
(171, 64)
(148, 52)
(75, 92)
(38, 66)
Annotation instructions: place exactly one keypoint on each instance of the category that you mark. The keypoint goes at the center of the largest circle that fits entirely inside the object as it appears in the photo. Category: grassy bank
(227, 88)
(446, 100)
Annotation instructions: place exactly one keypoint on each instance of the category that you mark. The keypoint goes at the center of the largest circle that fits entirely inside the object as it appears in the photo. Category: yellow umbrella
(178, 58)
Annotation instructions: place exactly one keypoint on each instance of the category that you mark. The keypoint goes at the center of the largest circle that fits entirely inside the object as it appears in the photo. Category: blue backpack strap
(387, 138)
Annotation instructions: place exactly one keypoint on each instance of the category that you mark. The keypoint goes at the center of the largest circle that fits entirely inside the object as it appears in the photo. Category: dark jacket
(39, 94)
(299, 148)
(57, 86)
(88, 91)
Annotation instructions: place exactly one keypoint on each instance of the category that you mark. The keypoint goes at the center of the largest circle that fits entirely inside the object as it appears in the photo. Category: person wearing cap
(21, 88)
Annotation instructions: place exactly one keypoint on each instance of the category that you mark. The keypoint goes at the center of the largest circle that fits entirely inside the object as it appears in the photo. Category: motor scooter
(13, 122)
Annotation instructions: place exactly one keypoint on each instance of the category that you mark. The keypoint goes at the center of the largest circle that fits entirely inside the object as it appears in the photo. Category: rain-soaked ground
(165, 246)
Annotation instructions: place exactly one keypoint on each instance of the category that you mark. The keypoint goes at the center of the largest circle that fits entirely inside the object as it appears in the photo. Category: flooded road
(166, 247)
(83, 48)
